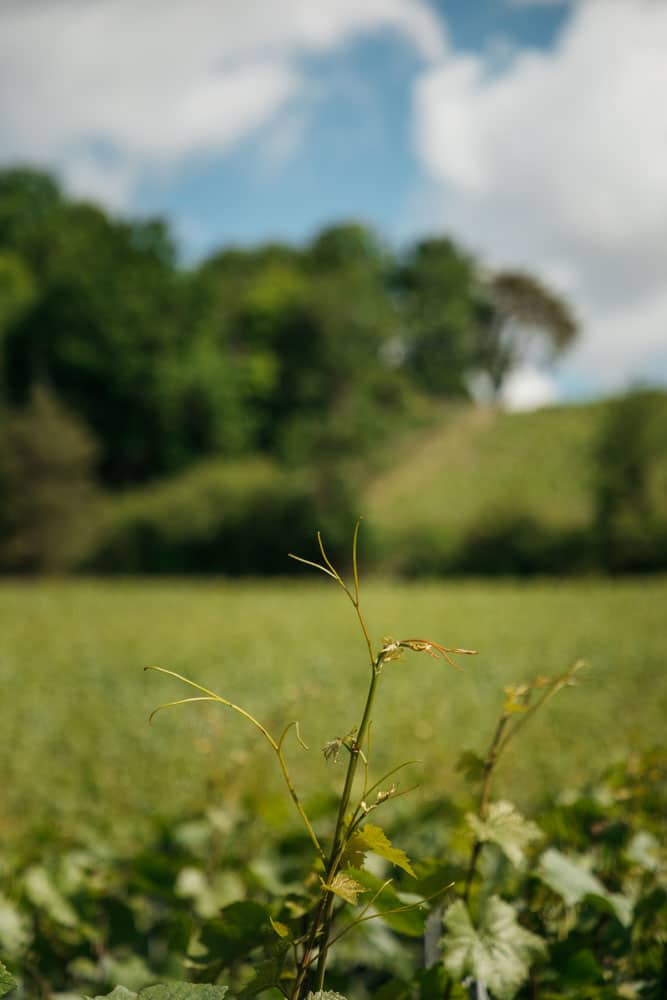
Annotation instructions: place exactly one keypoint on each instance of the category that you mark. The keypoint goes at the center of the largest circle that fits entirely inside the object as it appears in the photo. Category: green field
(76, 748)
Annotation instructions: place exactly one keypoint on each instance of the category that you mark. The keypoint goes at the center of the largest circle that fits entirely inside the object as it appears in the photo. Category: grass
(480, 463)
(76, 748)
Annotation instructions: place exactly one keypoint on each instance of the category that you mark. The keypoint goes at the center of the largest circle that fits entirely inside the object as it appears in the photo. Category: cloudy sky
(534, 131)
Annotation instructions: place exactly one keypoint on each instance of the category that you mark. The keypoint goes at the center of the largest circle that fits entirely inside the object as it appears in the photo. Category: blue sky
(533, 131)
(349, 150)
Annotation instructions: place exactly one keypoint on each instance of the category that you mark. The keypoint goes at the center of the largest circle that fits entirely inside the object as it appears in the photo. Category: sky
(534, 132)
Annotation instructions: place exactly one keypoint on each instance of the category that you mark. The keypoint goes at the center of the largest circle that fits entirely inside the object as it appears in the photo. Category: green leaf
(7, 981)
(644, 850)
(506, 827)
(345, 887)
(183, 991)
(325, 995)
(374, 839)
(498, 953)
(569, 877)
(45, 896)
(119, 993)
(15, 932)
(572, 879)
(470, 765)
(267, 976)
(409, 922)
(239, 929)
(578, 969)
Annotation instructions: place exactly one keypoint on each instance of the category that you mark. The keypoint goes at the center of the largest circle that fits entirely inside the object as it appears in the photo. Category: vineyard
(168, 853)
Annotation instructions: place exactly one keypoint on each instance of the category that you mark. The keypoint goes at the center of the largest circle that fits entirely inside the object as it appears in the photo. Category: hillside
(482, 467)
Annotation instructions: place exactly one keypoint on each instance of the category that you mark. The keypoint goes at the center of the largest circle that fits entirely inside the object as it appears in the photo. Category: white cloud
(559, 164)
(528, 389)
(158, 81)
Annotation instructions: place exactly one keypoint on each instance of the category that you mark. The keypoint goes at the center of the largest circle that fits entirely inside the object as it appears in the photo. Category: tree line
(121, 368)
(289, 351)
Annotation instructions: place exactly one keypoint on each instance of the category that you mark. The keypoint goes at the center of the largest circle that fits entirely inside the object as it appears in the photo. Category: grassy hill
(481, 468)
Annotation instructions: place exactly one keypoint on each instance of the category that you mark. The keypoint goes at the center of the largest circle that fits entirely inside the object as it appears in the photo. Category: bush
(519, 544)
(500, 543)
(222, 517)
(630, 460)
(48, 498)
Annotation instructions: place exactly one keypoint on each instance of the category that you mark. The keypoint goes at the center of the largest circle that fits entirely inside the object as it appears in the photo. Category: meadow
(77, 751)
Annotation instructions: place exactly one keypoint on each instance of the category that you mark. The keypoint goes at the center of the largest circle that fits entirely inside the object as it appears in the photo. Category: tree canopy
(308, 356)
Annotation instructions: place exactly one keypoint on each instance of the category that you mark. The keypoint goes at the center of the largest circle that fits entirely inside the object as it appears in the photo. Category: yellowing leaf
(345, 887)
(374, 839)
(281, 929)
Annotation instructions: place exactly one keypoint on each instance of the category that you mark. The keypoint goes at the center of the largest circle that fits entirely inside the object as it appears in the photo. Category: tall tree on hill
(436, 286)
(520, 319)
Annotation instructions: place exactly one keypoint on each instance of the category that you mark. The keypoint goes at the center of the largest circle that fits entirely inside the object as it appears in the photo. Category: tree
(630, 482)
(17, 291)
(103, 327)
(437, 289)
(519, 318)
(47, 504)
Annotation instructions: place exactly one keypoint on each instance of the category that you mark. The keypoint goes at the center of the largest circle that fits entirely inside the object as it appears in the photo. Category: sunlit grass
(76, 746)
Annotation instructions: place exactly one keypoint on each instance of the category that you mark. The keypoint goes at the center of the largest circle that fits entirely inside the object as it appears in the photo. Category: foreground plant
(302, 941)
(574, 908)
(484, 940)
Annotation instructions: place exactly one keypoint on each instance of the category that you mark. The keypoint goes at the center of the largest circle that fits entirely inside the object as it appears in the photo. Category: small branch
(276, 746)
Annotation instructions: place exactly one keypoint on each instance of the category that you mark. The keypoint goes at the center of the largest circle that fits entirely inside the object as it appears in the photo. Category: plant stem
(489, 765)
(276, 745)
(490, 762)
(322, 919)
(340, 834)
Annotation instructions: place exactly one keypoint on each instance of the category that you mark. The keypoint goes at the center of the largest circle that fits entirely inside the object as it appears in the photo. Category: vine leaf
(373, 839)
(118, 993)
(471, 766)
(173, 991)
(236, 932)
(183, 991)
(345, 887)
(498, 953)
(325, 995)
(7, 981)
(572, 879)
(43, 894)
(505, 826)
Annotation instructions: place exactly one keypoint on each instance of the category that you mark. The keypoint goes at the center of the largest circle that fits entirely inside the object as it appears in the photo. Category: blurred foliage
(47, 487)
(222, 517)
(320, 361)
(630, 461)
(441, 315)
(555, 491)
(205, 898)
(521, 319)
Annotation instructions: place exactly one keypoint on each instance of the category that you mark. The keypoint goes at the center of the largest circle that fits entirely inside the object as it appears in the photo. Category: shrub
(220, 517)
(505, 544)
(48, 502)
(630, 461)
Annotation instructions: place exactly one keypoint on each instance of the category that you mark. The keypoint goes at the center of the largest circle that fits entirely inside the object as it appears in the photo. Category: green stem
(341, 833)
(322, 918)
(489, 765)
(276, 745)
(321, 925)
